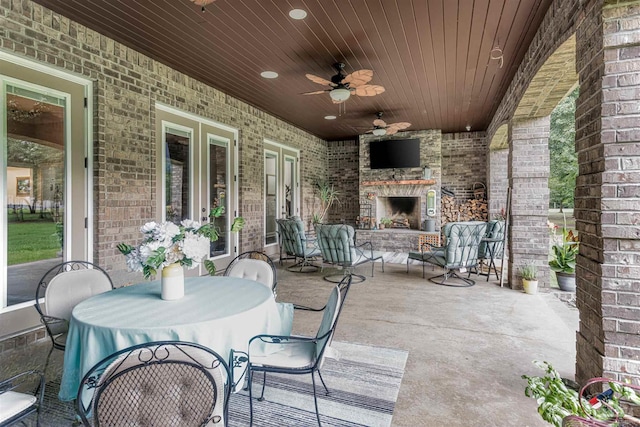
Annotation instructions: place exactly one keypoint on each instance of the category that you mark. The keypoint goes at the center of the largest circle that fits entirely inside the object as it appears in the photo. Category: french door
(44, 179)
(197, 158)
(281, 189)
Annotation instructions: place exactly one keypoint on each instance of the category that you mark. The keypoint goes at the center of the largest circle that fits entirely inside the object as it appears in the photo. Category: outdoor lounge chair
(459, 252)
(18, 400)
(296, 245)
(338, 247)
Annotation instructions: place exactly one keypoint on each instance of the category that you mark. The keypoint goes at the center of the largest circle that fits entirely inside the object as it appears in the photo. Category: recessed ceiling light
(297, 14)
(329, 117)
(269, 74)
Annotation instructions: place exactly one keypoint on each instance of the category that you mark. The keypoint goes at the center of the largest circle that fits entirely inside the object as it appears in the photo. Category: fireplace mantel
(401, 182)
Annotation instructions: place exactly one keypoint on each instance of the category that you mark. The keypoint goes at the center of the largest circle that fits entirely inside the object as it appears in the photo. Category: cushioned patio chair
(164, 383)
(338, 247)
(297, 245)
(62, 288)
(491, 247)
(21, 396)
(297, 355)
(459, 252)
(256, 266)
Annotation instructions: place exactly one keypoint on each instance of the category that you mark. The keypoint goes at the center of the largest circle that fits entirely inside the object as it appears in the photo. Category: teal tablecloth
(221, 313)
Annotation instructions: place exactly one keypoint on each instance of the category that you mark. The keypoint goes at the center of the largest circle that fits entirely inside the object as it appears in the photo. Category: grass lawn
(31, 240)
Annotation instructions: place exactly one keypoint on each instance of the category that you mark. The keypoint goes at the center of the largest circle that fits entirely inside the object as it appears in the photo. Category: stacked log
(468, 210)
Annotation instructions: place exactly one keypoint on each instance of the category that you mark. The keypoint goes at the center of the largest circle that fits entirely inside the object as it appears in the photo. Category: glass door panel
(177, 174)
(271, 185)
(219, 185)
(34, 174)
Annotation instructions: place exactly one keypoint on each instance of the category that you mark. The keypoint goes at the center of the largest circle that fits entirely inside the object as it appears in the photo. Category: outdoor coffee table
(221, 313)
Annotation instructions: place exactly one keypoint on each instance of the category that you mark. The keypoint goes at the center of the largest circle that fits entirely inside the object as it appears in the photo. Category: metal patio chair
(338, 247)
(298, 355)
(164, 383)
(256, 266)
(297, 245)
(60, 289)
(458, 254)
(18, 400)
(491, 247)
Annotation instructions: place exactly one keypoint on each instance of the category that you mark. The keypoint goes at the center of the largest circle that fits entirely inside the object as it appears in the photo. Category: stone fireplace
(403, 211)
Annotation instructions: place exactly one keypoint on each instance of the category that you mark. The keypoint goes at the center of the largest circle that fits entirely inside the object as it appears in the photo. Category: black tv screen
(395, 153)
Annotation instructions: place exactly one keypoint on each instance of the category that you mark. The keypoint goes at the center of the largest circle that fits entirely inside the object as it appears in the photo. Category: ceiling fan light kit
(379, 132)
(340, 94)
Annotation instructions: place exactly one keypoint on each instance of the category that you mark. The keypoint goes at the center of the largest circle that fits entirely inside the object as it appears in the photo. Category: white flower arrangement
(167, 243)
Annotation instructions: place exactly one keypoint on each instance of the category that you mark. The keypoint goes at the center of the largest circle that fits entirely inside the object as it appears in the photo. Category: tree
(562, 153)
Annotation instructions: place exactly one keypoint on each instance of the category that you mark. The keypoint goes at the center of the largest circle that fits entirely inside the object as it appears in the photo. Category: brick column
(529, 183)
(498, 181)
(608, 190)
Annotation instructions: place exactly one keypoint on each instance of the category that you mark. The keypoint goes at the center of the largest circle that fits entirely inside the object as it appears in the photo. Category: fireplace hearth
(404, 212)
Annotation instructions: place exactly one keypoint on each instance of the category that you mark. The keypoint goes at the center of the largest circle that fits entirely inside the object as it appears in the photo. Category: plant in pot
(385, 222)
(529, 274)
(564, 252)
(328, 195)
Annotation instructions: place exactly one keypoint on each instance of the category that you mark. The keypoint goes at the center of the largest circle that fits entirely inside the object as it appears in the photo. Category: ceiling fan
(342, 86)
(381, 128)
(203, 3)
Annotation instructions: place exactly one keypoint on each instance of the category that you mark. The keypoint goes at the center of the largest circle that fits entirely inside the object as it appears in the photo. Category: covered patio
(466, 348)
(157, 111)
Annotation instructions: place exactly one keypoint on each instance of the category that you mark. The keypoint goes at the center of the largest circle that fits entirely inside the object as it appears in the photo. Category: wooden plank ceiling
(433, 57)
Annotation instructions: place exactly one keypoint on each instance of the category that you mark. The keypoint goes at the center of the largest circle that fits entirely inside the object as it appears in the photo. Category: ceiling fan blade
(317, 92)
(318, 80)
(400, 125)
(391, 130)
(358, 78)
(368, 90)
(380, 123)
(203, 2)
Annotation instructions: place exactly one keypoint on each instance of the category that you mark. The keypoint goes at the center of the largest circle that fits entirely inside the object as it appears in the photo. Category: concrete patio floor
(467, 347)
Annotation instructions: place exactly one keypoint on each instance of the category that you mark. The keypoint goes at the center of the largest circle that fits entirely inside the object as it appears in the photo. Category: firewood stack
(400, 223)
(469, 210)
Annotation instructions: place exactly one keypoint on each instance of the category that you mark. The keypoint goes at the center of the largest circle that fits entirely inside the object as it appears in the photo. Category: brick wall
(498, 181)
(343, 171)
(607, 191)
(464, 162)
(127, 86)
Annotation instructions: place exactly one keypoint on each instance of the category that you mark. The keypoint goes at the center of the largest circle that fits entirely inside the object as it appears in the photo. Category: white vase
(530, 286)
(172, 282)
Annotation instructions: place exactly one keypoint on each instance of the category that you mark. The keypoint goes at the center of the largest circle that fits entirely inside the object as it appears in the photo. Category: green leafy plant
(564, 250)
(386, 221)
(557, 401)
(328, 195)
(529, 271)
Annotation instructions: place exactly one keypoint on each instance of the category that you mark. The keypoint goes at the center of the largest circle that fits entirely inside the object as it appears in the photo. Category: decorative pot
(530, 286)
(566, 281)
(172, 282)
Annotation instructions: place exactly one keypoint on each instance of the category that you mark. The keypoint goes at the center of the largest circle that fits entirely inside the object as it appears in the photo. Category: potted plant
(328, 196)
(559, 400)
(529, 274)
(385, 222)
(564, 252)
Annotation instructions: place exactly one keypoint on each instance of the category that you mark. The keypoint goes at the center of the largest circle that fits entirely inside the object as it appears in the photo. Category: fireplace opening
(404, 212)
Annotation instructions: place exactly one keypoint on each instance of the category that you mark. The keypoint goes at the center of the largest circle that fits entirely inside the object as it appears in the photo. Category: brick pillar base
(529, 183)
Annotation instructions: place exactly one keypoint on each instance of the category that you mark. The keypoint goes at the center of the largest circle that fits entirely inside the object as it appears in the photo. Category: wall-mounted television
(395, 153)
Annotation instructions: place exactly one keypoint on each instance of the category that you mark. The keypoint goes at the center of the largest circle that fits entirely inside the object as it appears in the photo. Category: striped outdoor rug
(364, 383)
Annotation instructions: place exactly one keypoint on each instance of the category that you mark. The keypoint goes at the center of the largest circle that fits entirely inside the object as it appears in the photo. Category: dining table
(221, 313)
